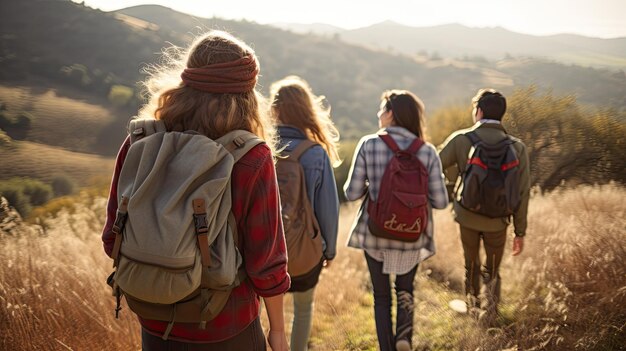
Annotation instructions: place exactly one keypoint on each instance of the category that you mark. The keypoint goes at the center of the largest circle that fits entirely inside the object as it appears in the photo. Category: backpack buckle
(200, 223)
(139, 132)
(120, 220)
(239, 142)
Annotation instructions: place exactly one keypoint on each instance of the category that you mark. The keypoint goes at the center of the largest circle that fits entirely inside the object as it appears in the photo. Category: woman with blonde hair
(401, 119)
(306, 131)
(210, 90)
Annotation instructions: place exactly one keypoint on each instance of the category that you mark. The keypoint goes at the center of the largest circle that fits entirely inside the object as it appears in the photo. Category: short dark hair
(491, 102)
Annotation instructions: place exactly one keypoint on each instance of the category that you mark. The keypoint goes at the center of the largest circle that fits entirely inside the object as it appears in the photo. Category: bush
(5, 121)
(16, 127)
(63, 185)
(14, 194)
(120, 95)
(38, 192)
(23, 193)
(23, 121)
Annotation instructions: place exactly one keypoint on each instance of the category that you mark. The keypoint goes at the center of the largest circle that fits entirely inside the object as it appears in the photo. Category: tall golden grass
(53, 294)
(566, 292)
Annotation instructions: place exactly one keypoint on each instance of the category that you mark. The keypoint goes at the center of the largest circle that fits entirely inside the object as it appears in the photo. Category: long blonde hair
(185, 108)
(294, 104)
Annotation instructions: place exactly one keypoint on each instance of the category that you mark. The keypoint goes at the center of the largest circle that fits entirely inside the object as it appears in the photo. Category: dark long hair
(407, 110)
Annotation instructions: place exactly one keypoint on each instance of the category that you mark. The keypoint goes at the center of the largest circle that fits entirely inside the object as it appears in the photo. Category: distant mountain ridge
(313, 28)
(71, 47)
(456, 41)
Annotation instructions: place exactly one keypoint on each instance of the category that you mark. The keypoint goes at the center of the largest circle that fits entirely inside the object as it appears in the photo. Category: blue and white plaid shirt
(368, 165)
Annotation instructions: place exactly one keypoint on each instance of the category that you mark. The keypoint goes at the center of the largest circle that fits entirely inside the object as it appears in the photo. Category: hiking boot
(403, 345)
(473, 306)
(491, 292)
(488, 318)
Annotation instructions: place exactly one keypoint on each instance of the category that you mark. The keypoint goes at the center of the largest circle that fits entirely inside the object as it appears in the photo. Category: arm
(520, 216)
(108, 238)
(263, 245)
(262, 239)
(356, 186)
(447, 155)
(437, 193)
(276, 336)
(326, 208)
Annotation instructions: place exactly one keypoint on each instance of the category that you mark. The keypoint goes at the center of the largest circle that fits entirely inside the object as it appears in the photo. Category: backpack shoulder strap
(301, 148)
(415, 145)
(473, 137)
(239, 142)
(412, 149)
(390, 142)
(140, 128)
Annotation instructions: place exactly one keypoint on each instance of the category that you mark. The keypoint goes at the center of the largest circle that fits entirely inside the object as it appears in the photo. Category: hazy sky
(597, 18)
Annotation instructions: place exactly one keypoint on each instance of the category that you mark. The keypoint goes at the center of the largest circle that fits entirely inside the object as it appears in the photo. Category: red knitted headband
(232, 77)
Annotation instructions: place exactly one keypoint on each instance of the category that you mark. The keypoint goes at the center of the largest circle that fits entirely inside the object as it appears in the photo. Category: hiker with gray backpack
(193, 219)
(308, 194)
(399, 177)
(490, 170)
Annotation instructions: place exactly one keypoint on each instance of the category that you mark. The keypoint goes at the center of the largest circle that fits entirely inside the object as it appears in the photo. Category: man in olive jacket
(489, 108)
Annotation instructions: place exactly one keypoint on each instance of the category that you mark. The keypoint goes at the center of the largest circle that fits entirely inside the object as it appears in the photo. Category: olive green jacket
(454, 154)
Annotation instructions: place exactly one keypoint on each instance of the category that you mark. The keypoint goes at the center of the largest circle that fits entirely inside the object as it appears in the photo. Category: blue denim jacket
(320, 185)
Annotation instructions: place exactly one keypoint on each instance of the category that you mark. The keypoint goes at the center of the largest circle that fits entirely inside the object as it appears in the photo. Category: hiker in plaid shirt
(217, 95)
(401, 115)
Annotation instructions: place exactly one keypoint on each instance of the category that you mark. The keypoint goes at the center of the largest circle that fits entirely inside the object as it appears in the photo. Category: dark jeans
(250, 339)
(382, 304)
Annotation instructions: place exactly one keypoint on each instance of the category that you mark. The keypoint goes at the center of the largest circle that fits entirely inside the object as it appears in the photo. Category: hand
(277, 340)
(518, 245)
(327, 263)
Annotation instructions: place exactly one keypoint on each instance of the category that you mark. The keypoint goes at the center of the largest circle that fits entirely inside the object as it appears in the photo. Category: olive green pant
(494, 249)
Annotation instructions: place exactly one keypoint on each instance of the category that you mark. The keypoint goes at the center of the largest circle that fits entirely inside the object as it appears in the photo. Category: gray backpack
(490, 183)
(175, 249)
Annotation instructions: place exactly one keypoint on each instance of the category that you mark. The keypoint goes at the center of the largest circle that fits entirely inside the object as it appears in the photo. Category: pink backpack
(401, 210)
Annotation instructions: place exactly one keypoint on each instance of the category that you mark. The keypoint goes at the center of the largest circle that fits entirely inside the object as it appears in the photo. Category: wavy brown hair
(294, 104)
(407, 110)
(185, 108)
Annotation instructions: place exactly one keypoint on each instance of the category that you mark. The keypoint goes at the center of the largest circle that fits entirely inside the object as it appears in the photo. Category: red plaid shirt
(261, 243)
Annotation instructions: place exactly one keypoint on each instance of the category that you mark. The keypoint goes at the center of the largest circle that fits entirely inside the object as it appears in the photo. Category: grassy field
(566, 292)
(57, 120)
(29, 159)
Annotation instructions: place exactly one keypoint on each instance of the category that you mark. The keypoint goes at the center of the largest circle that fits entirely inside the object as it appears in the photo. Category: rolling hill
(79, 53)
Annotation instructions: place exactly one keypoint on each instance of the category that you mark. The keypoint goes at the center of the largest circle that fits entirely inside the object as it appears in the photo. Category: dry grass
(53, 294)
(566, 292)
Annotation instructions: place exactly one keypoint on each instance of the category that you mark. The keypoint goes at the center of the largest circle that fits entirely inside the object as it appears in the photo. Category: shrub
(120, 95)
(23, 193)
(62, 185)
(23, 121)
(16, 197)
(37, 192)
(5, 121)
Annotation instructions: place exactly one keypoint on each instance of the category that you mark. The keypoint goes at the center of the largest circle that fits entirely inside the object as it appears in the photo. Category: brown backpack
(302, 233)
